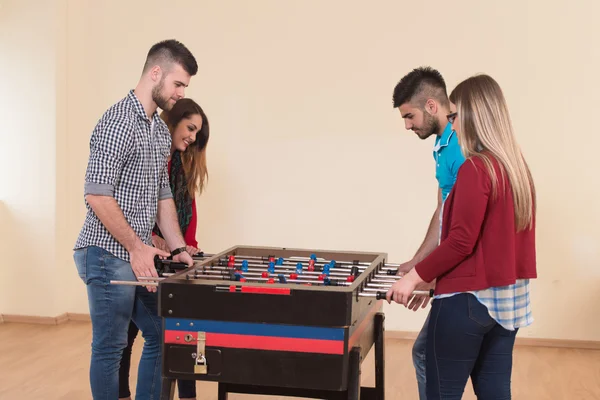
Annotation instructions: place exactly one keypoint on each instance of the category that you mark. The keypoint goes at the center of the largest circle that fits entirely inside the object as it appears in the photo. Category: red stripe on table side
(367, 320)
(259, 342)
(178, 337)
(265, 290)
(275, 343)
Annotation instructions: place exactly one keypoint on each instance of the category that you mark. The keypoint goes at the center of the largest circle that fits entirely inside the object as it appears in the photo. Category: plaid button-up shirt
(128, 161)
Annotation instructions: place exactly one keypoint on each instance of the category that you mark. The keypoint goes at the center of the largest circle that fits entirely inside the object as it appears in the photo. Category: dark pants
(464, 340)
(187, 389)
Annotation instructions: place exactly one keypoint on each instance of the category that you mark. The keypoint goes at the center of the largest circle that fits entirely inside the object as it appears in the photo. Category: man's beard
(158, 98)
(430, 126)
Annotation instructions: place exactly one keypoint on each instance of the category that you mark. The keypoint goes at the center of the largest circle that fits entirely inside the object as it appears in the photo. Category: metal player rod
(386, 276)
(319, 261)
(167, 262)
(371, 289)
(341, 265)
(196, 259)
(296, 259)
(259, 279)
(316, 264)
(289, 266)
(382, 295)
(204, 255)
(383, 281)
(224, 271)
(262, 267)
(375, 286)
(336, 282)
(251, 274)
(278, 268)
(363, 265)
(391, 265)
(374, 289)
(305, 276)
(380, 285)
(261, 270)
(133, 283)
(340, 269)
(226, 277)
(151, 281)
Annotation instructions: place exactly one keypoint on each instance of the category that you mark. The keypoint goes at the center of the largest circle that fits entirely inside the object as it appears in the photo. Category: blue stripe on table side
(247, 328)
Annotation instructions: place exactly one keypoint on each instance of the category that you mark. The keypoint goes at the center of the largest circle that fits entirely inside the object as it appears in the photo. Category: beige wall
(306, 150)
(28, 156)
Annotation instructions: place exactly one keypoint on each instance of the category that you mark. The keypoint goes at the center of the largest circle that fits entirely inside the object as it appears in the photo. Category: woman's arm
(471, 195)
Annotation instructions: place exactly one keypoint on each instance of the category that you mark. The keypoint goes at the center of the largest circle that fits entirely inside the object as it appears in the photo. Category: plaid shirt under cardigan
(128, 161)
(509, 306)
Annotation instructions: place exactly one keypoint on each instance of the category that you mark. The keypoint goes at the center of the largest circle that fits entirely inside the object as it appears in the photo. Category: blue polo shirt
(448, 159)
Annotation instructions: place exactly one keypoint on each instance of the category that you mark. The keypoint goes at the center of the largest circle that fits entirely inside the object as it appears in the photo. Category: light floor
(51, 363)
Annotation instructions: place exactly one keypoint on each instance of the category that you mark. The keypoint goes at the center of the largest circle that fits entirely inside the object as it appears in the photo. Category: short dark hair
(171, 51)
(420, 84)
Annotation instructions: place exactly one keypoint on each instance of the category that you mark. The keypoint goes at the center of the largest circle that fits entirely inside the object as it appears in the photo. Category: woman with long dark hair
(188, 174)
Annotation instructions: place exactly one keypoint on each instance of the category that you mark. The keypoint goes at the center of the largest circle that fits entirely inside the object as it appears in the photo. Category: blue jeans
(464, 340)
(419, 359)
(186, 388)
(111, 309)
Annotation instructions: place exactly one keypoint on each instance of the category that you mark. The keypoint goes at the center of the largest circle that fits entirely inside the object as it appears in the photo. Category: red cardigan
(190, 233)
(479, 247)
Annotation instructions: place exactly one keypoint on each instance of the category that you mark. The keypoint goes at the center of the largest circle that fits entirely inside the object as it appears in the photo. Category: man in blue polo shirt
(423, 102)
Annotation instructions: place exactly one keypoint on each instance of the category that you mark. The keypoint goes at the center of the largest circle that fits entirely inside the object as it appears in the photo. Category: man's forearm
(431, 238)
(110, 214)
(169, 225)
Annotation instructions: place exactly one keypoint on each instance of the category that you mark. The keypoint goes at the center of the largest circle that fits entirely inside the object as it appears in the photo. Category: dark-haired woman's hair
(194, 157)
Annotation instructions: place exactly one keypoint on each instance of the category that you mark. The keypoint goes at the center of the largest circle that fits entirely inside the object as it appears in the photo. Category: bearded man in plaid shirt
(127, 192)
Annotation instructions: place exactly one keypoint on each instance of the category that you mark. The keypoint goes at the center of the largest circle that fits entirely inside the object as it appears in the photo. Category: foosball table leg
(377, 392)
(222, 391)
(168, 389)
(353, 391)
(379, 356)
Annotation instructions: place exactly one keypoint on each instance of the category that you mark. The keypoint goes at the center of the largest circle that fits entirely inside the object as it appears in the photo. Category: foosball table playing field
(275, 321)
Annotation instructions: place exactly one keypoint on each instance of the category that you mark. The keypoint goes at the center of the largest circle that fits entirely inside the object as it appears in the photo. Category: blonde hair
(193, 158)
(485, 127)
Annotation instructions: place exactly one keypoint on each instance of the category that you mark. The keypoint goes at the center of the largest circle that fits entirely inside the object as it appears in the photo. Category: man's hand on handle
(184, 257)
(142, 262)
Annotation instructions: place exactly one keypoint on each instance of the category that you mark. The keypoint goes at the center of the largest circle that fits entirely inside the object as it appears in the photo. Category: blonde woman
(486, 255)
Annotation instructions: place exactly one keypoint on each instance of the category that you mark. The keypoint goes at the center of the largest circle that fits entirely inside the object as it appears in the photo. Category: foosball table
(275, 321)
